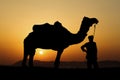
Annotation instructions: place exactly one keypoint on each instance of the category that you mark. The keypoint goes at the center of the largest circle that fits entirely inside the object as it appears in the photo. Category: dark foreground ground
(41, 73)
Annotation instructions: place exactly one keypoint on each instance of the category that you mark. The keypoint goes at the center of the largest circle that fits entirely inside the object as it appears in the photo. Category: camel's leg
(24, 60)
(31, 60)
(31, 56)
(25, 56)
(57, 60)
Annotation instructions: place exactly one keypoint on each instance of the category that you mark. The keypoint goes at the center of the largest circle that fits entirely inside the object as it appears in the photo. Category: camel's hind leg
(25, 54)
(28, 53)
(24, 60)
(31, 56)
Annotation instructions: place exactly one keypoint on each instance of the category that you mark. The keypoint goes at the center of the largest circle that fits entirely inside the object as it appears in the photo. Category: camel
(55, 37)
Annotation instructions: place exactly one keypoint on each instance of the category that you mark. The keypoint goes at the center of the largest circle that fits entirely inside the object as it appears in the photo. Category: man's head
(91, 37)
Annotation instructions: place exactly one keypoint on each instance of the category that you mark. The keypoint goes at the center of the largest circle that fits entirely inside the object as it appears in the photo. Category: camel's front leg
(57, 60)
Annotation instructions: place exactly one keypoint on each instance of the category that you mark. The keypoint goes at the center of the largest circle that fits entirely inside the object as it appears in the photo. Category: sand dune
(67, 71)
(45, 73)
(102, 64)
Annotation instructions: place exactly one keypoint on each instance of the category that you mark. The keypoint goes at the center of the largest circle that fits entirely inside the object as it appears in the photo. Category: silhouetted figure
(91, 53)
(55, 37)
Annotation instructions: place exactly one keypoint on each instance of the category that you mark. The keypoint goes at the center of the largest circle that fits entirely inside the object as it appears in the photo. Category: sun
(40, 51)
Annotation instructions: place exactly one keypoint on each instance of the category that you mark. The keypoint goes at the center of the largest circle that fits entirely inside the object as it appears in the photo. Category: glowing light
(40, 51)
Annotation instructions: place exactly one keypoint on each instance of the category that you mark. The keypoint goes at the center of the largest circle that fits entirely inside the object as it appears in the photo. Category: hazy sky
(18, 16)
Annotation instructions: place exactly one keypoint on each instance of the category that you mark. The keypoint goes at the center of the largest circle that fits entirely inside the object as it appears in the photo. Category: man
(91, 52)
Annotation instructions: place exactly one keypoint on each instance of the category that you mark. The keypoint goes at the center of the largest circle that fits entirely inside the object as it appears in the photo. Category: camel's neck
(80, 35)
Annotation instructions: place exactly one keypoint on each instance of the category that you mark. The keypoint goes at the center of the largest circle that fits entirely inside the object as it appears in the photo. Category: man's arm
(96, 48)
(83, 47)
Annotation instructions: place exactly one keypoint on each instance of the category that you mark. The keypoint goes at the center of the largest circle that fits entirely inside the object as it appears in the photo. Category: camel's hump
(49, 28)
(42, 27)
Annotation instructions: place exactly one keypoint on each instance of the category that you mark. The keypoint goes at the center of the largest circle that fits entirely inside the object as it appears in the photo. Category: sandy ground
(42, 73)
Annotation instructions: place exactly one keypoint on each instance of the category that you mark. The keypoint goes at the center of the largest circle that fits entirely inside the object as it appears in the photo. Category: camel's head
(94, 21)
(89, 21)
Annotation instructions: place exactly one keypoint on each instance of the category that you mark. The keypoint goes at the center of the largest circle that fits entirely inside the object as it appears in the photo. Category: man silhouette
(91, 52)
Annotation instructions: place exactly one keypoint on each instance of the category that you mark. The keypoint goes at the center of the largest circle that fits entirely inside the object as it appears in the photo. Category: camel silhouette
(55, 37)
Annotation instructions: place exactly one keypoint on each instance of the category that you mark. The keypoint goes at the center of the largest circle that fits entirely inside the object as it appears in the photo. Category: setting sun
(39, 51)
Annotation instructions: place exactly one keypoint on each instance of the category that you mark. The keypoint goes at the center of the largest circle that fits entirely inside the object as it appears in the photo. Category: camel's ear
(85, 17)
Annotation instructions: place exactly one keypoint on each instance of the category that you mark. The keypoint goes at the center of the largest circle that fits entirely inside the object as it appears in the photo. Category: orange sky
(18, 16)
